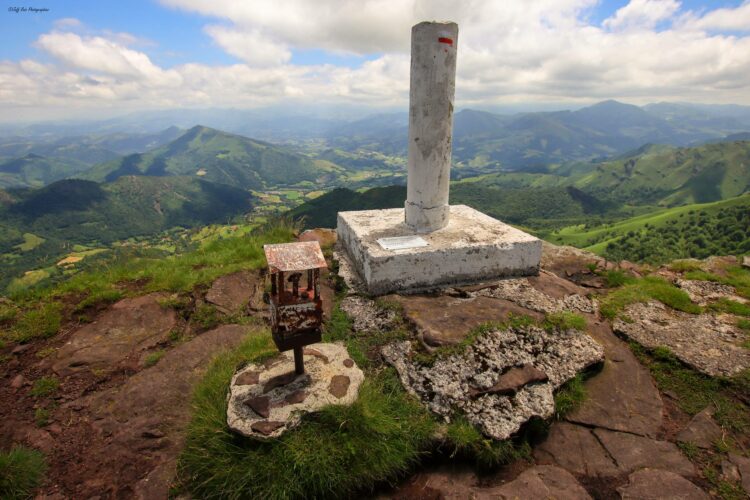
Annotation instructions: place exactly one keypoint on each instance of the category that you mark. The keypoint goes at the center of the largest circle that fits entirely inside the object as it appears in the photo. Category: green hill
(83, 211)
(652, 175)
(534, 208)
(219, 157)
(697, 230)
(33, 170)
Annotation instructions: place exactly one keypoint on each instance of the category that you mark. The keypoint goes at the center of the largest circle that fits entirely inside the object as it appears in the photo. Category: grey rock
(704, 341)
(447, 385)
(702, 431)
(703, 292)
(656, 484)
(365, 314)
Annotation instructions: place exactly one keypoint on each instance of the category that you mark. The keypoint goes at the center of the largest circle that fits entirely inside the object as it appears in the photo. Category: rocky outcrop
(128, 328)
(233, 293)
(656, 484)
(701, 431)
(464, 382)
(366, 316)
(603, 453)
(267, 399)
(705, 341)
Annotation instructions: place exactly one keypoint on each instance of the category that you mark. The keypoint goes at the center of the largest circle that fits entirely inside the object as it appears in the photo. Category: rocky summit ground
(113, 421)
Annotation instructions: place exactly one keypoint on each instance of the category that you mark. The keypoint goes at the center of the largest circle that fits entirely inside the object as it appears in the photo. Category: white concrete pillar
(432, 88)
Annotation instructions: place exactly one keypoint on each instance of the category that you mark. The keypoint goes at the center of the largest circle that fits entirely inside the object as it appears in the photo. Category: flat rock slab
(656, 484)
(449, 383)
(447, 483)
(565, 260)
(446, 320)
(603, 453)
(622, 396)
(541, 481)
(146, 416)
(128, 327)
(743, 467)
(702, 430)
(235, 292)
(532, 294)
(325, 237)
(704, 341)
(267, 399)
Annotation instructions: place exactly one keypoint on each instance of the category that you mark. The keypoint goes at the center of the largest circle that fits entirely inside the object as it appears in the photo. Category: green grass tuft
(564, 321)
(101, 297)
(153, 358)
(643, 290)
(40, 322)
(570, 396)
(615, 278)
(731, 306)
(41, 416)
(45, 386)
(685, 265)
(743, 324)
(206, 316)
(334, 453)
(696, 391)
(21, 472)
(466, 442)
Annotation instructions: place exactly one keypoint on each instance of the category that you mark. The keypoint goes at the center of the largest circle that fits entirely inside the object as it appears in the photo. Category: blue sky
(143, 54)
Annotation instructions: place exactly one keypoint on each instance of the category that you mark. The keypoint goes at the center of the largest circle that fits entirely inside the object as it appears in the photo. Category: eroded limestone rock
(703, 341)
(449, 383)
(523, 293)
(703, 292)
(267, 399)
(366, 315)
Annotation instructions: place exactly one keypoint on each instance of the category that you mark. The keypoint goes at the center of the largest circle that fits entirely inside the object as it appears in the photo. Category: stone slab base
(266, 399)
(473, 247)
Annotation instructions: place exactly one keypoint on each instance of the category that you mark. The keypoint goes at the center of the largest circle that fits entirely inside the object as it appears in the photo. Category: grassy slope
(218, 157)
(580, 236)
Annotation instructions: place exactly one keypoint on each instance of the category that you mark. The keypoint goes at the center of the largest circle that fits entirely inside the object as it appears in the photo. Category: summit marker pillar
(431, 92)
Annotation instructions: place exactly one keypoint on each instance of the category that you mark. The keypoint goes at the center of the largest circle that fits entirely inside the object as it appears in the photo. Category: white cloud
(536, 50)
(642, 14)
(251, 46)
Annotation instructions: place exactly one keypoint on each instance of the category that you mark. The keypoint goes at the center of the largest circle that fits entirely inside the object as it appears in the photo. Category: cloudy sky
(93, 57)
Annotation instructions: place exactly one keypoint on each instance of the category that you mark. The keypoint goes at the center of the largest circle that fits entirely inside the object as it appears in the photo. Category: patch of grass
(206, 316)
(570, 396)
(334, 453)
(685, 265)
(696, 391)
(46, 352)
(464, 441)
(8, 312)
(615, 278)
(564, 321)
(643, 290)
(99, 297)
(41, 416)
(731, 306)
(743, 324)
(153, 358)
(41, 322)
(45, 386)
(21, 472)
(689, 449)
(177, 302)
(338, 327)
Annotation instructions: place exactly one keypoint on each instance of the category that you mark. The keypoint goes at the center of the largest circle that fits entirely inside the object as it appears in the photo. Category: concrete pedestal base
(473, 247)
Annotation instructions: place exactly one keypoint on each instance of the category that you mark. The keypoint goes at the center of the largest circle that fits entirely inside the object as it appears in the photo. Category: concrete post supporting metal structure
(432, 88)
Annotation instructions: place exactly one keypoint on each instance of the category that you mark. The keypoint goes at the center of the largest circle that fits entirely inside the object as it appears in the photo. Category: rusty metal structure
(296, 306)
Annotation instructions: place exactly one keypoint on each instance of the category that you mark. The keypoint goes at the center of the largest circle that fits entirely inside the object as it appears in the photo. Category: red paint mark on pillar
(445, 40)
